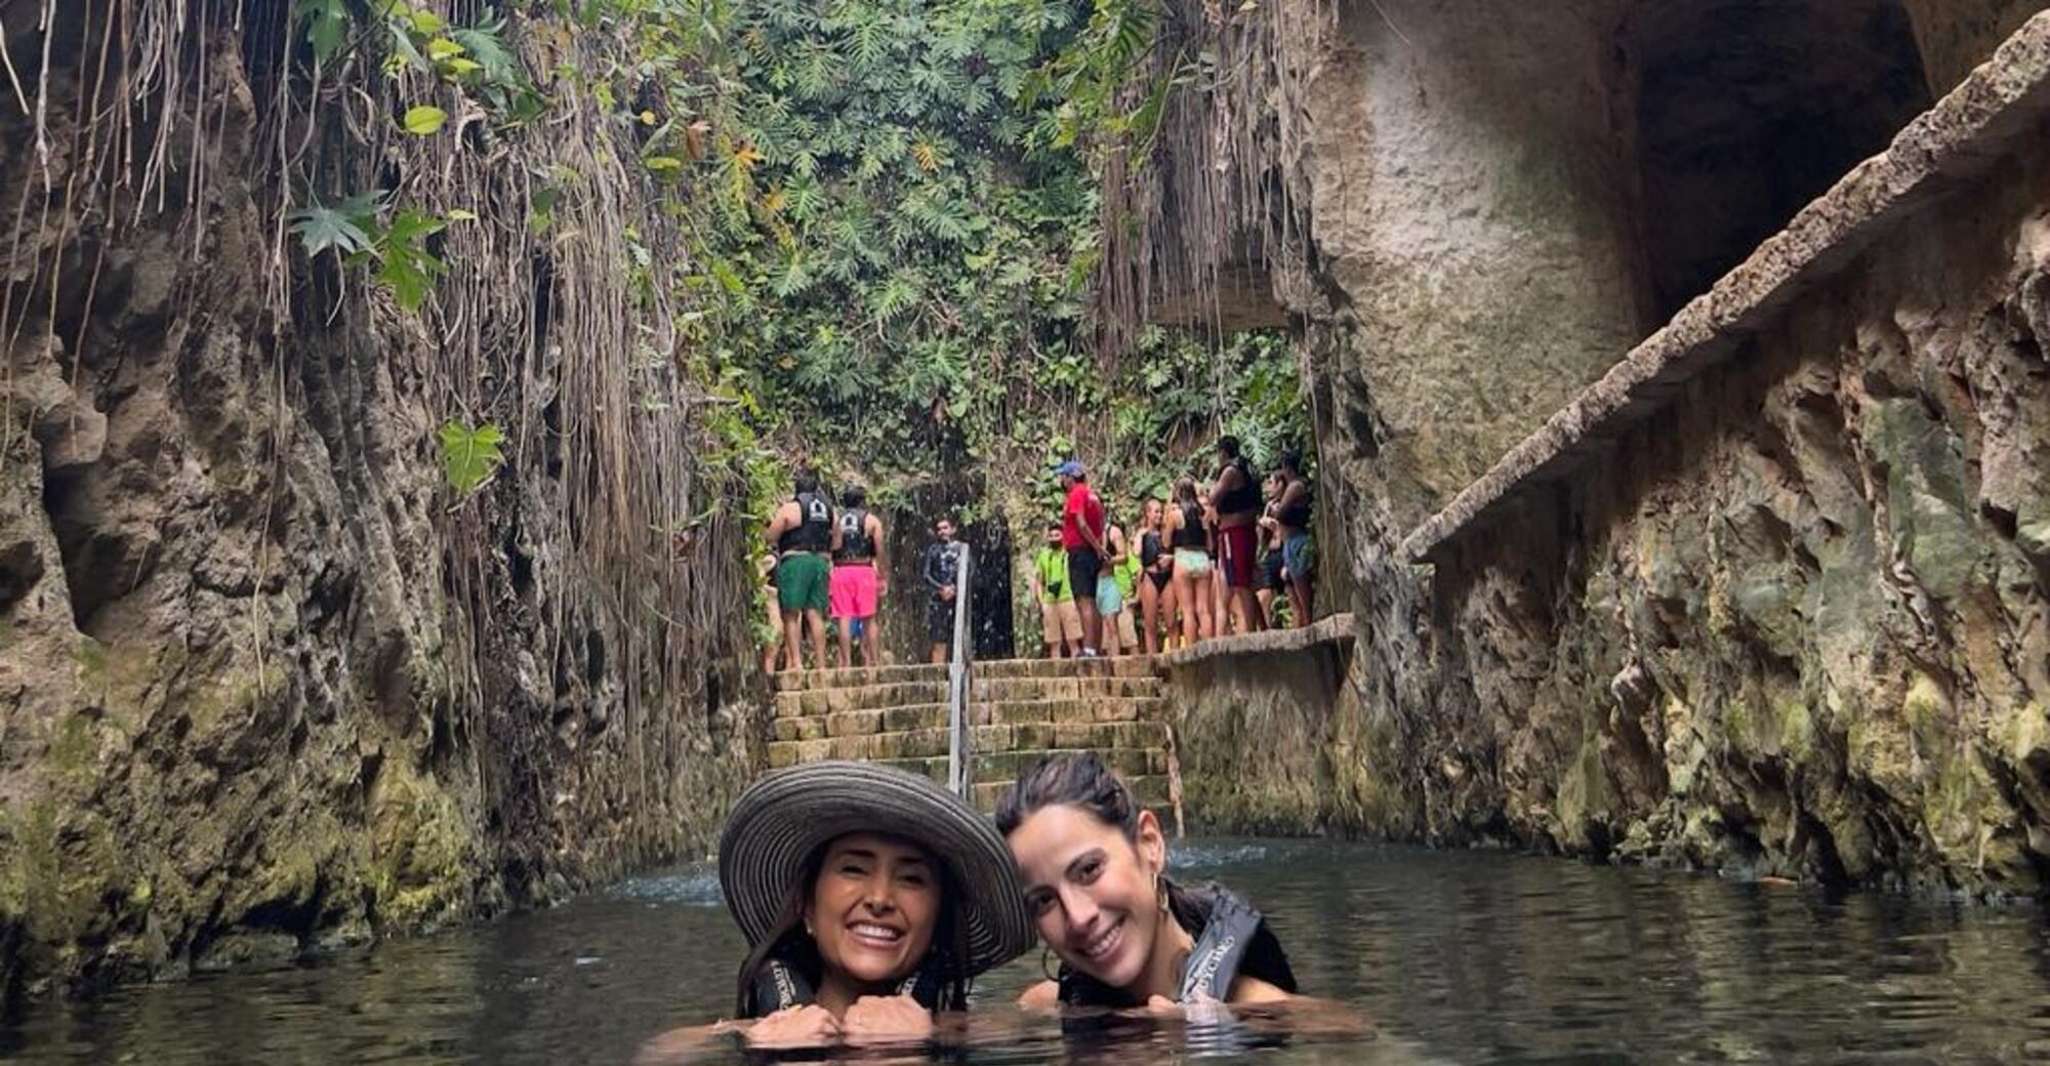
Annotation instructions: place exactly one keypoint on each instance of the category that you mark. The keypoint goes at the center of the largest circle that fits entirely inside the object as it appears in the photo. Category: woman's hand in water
(886, 1020)
(795, 1027)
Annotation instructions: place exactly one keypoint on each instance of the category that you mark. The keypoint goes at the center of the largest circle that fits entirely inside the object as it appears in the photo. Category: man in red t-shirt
(1082, 528)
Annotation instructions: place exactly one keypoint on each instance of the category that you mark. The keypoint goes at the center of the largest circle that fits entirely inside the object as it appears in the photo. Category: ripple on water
(1453, 956)
(696, 886)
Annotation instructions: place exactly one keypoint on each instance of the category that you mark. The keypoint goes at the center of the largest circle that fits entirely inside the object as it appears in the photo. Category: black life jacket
(1191, 535)
(1248, 496)
(855, 546)
(1231, 939)
(1149, 549)
(815, 534)
(780, 985)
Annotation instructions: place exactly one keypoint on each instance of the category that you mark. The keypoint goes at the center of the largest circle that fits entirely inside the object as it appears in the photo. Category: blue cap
(1071, 468)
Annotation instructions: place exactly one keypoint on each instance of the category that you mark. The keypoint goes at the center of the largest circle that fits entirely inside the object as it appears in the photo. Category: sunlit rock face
(1794, 622)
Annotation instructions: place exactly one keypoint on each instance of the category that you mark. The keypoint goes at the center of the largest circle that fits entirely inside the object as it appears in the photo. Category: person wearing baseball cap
(870, 898)
(1082, 534)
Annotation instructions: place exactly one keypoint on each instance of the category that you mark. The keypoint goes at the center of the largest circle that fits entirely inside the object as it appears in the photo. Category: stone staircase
(1020, 709)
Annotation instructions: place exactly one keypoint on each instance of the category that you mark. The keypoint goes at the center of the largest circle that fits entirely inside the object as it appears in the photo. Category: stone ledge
(1964, 134)
(1336, 629)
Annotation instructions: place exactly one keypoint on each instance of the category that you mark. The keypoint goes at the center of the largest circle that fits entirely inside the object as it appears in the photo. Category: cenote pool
(1455, 957)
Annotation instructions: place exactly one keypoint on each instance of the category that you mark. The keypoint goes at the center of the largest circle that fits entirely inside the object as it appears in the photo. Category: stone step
(994, 669)
(1151, 790)
(824, 701)
(934, 716)
(1007, 765)
(860, 676)
(1122, 666)
(799, 747)
(1008, 689)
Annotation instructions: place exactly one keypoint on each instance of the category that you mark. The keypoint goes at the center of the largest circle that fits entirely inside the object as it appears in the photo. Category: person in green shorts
(802, 533)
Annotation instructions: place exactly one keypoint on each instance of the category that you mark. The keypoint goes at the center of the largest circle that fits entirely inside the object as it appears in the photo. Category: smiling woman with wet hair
(1094, 867)
(870, 899)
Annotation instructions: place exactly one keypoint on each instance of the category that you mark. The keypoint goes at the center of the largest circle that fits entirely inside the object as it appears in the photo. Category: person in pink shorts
(858, 581)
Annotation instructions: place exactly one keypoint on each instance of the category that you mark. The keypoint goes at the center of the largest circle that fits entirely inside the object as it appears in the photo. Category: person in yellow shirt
(1058, 616)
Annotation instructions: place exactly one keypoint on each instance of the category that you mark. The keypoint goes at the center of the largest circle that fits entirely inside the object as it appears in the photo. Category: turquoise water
(1455, 957)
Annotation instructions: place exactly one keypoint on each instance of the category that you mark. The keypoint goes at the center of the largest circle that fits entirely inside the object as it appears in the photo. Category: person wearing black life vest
(1092, 862)
(1236, 496)
(941, 568)
(870, 899)
(801, 531)
(859, 581)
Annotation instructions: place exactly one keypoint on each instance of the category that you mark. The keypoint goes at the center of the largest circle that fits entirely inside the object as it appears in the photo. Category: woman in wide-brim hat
(870, 899)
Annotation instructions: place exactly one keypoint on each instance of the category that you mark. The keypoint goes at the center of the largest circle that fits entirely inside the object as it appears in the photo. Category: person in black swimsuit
(1156, 591)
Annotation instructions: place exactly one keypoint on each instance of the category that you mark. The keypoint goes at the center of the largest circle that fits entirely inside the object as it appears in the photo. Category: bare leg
(817, 622)
(939, 653)
(871, 642)
(1302, 597)
(1092, 623)
(793, 640)
(1149, 614)
(846, 643)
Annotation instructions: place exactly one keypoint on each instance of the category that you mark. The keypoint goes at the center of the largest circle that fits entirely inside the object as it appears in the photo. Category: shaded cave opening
(1747, 110)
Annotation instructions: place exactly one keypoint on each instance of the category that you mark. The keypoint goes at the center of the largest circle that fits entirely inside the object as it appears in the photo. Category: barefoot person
(1236, 496)
(858, 582)
(802, 533)
(1188, 536)
(1093, 864)
(870, 898)
(1082, 535)
(1156, 568)
(1271, 583)
(1298, 553)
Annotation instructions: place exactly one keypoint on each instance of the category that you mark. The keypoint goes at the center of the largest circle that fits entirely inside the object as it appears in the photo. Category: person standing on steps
(941, 569)
(859, 581)
(1298, 551)
(801, 531)
(1048, 577)
(1082, 528)
(1188, 536)
(1271, 582)
(1237, 497)
(1156, 566)
(1111, 594)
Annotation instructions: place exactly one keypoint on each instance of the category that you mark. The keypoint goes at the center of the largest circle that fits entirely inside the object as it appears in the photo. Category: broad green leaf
(469, 456)
(425, 120)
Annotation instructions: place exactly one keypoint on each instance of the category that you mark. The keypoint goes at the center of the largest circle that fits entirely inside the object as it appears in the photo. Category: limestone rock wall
(1801, 624)
(265, 684)
(1795, 623)
(1252, 727)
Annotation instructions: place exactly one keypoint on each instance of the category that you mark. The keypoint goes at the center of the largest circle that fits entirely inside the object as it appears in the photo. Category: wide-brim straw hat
(786, 816)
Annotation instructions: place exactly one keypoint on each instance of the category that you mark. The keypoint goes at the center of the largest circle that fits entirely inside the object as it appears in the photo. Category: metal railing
(959, 753)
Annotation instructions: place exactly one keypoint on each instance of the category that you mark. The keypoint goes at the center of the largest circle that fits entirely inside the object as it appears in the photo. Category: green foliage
(346, 228)
(398, 249)
(470, 455)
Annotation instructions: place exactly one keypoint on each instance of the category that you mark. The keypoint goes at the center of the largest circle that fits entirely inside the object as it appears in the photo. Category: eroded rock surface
(265, 684)
(1794, 620)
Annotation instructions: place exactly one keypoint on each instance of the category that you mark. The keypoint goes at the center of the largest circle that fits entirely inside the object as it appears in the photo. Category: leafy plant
(470, 455)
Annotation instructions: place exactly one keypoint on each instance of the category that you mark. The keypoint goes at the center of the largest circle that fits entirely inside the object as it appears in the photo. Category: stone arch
(1746, 110)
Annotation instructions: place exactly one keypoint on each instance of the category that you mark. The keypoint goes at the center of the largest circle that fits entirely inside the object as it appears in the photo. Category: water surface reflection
(1457, 957)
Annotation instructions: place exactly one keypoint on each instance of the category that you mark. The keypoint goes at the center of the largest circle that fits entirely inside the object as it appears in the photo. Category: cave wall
(266, 686)
(1795, 623)
(1801, 623)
